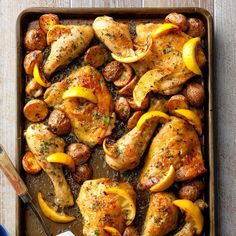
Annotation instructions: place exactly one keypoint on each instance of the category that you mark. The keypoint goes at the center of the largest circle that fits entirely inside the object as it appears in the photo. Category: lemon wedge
(193, 213)
(62, 158)
(134, 55)
(39, 77)
(112, 231)
(80, 92)
(189, 55)
(191, 117)
(127, 203)
(51, 213)
(165, 182)
(151, 115)
(163, 29)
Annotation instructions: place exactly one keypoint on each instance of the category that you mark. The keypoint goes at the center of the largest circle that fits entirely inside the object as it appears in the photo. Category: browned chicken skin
(162, 215)
(99, 209)
(177, 144)
(42, 143)
(90, 122)
(68, 41)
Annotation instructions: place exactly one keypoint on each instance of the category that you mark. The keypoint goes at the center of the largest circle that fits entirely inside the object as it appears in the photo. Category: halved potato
(177, 102)
(31, 59)
(125, 77)
(34, 89)
(128, 89)
(30, 164)
(46, 21)
(134, 119)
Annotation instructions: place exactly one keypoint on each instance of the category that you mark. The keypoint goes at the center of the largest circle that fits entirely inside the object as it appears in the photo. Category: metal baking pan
(26, 222)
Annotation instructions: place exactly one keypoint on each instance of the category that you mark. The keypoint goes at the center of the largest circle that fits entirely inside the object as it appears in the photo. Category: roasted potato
(113, 71)
(122, 108)
(35, 110)
(195, 94)
(191, 190)
(96, 56)
(31, 59)
(79, 152)
(177, 19)
(128, 89)
(46, 21)
(35, 39)
(34, 89)
(177, 102)
(130, 231)
(125, 77)
(143, 106)
(59, 123)
(196, 28)
(83, 173)
(30, 164)
(134, 119)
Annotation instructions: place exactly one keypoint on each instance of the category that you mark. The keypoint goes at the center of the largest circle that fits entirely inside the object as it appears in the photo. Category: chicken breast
(100, 209)
(42, 143)
(162, 215)
(68, 41)
(114, 35)
(90, 122)
(176, 144)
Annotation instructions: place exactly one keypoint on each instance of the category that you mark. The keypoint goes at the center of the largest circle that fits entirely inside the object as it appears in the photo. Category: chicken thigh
(90, 122)
(162, 215)
(100, 209)
(42, 143)
(67, 42)
(176, 144)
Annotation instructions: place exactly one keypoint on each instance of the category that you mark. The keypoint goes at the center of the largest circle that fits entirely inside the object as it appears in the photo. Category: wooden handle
(11, 173)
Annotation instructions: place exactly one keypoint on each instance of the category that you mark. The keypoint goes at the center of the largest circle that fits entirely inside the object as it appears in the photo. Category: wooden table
(225, 95)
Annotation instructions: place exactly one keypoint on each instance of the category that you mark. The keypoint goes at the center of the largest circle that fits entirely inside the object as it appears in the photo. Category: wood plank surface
(106, 3)
(9, 11)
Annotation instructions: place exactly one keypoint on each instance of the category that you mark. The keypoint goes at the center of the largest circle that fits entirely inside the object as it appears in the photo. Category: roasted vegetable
(46, 21)
(128, 89)
(177, 19)
(196, 28)
(130, 231)
(83, 173)
(30, 163)
(125, 77)
(59, 123)
(35, 39)
(113, 71)
(177, 102)
(35, 110)
(34, 89)
(122, 108)
(142, 106)
(134, 119)
(79, 152)
(31, 59)
(96, 56)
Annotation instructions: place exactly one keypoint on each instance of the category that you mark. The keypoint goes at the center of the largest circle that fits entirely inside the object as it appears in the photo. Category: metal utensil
(18, 184)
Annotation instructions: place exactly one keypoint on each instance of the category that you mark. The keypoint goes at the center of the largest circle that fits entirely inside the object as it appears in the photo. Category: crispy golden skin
(177, 144)
(68, 41)
(114, 35)
(162, 215)
(90, 122)
(99, 209)
(42, 143)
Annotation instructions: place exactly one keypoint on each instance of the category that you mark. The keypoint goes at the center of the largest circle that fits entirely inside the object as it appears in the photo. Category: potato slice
(30, 164)
(148, 82)
(128, 89)
(36, 110)
(31, 59)
(96, 56)
(125, 77)
(46, 21)
(177, 102)
(34, 89)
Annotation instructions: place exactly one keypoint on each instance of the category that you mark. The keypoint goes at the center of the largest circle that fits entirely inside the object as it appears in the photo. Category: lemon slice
(105, 148)
(62, 158)
(191, 117)
(112, 231)
(51, 213)
(134, 55)
(193, 213)
(151, 115)
(127, 203)
(189, 55)
(80, 92)
(165, 182)
(39, 77)
(163, 29)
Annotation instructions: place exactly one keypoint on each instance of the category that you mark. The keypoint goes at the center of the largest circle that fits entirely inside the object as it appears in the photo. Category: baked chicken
(67, 42)
(90, 122)
(100, 209)
(176, 144)
(42, 143)
(162, 215)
